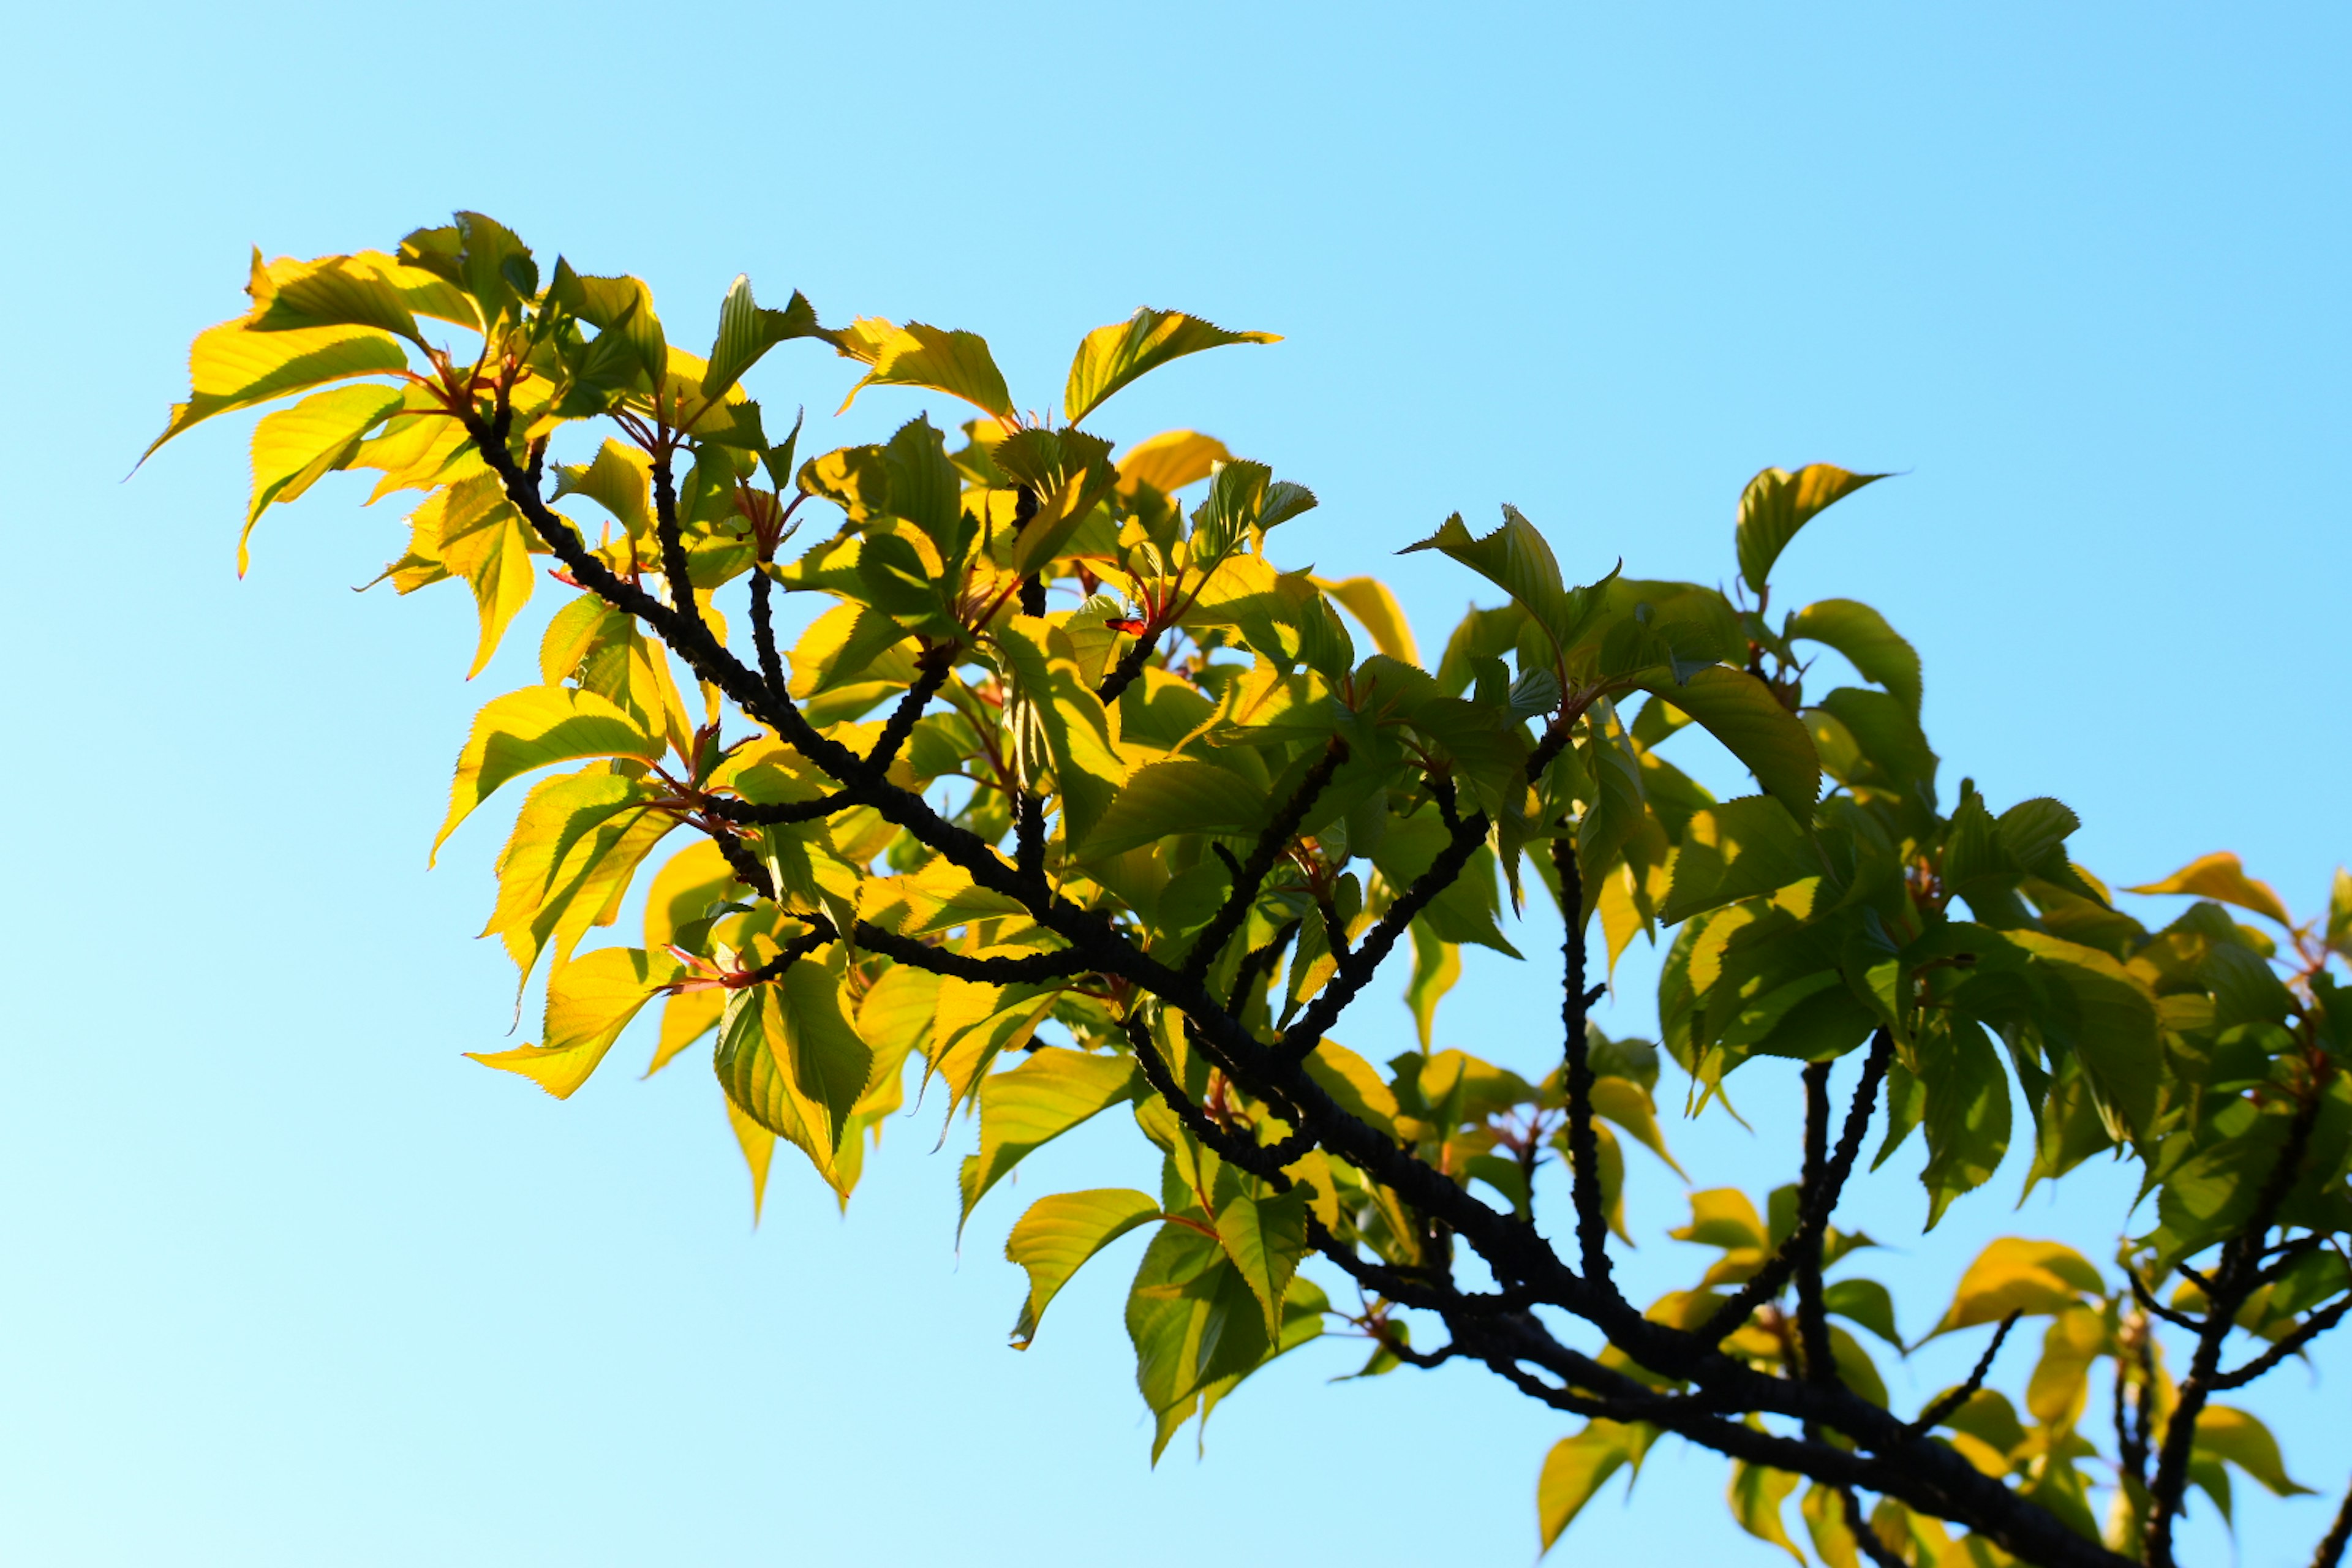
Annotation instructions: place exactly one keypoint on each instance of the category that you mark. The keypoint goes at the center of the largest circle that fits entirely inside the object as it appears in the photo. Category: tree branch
(1927, 1420)
(1814, 1204)
(1271, 844)
(2310, 1329)
(2331, 1546)
(1583, 1145)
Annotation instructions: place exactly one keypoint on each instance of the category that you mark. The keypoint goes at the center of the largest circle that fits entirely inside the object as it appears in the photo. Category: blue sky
(293, 1282)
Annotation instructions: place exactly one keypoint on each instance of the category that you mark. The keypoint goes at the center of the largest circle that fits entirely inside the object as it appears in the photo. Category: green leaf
(1264, 1237)
(1193, 1319)
(294, 447)
(1036, 1103)
(1967, 1113)
(1059, 1233)
(1112, 356)
(531, 728)
(1436, 966)
(1517, 559)
(2223, 877)
(789, 1057)
(1741, 710)
(958, 363)
(589, 1002)
(1868, 642)
(2106, 1015)
(1179, 796)
(1777, 504)
(746, 331)
(1737, 849)
(1864, 1302)
(1577, 1468)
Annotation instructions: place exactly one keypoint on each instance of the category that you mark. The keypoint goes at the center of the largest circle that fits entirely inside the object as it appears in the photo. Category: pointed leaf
(1044, 1097)
(1059, 1233)
(746, 331)
(1777, 504)
(1265, 1238)
(958, 363)
(1171, 460)
(2223, 877)
(1869, 644)
(232, 367)
(533, 728)
(294, 447)
(1112, 356)
(589, 1002)
(1741, 710)
(1166, 798)
(1575, 1469)
(2018, 1275)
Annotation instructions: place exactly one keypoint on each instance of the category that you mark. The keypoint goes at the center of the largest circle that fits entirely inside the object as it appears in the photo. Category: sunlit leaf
(1777, 504)
(1112, 356)
(1059, 1233)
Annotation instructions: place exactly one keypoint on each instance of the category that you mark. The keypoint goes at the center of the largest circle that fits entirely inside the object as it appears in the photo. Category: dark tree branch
(1356, 969)
(1129, 670)
(754, 813)
(1812, 1312)
(2310, 1329)
(2232, 1281)
(1815, 1203)
(1258, 964)
(1924, 1475)
(1865, 1538)
(1583, 1144)
(763, 630)
(915, 954)
(1936, 1413)
(2330, 1554)
(821, 932)
(1269, 848)
(932, 668)
(2156, 1308)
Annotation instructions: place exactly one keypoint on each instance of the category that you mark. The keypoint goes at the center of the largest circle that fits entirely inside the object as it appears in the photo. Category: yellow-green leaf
(1575, 1469)
(746, 331)
(232, 367)
(1741, 710)
(1180, 795)
(791, 1059)
(1112, 356)
(294, 447)
(1171, 460)
(1777, 504)
(589, 1002)
(2223, 877)
(2231, 1433)
(1757, 1495)
(1264, 1237)
(1869, 644)
(531, 729)
(759, 1146)
(334, 292)
(1053, 1241)
(2019, 1275)
(958, 363)
(1021, 1111)
(1368, 600)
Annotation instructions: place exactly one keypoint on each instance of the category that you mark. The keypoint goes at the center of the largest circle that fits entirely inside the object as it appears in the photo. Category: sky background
(289, 1281)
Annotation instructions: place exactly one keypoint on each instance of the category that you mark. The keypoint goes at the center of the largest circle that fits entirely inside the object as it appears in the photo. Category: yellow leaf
(958, 363)
(529, 729)
(1368, 600)
(1171, 460)
(2232, 1435)
(759, 1146)
(232, 367)
(292, 448)
(589, 1002)
(2015, 1274)
(1723, 1217)
(1114, 356)
(2221, 876)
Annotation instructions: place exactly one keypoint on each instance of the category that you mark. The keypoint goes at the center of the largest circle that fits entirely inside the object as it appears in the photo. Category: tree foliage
(1072, 800)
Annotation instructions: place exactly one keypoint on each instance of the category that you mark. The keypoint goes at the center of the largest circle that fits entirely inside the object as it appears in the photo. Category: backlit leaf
(1741, 710)
(2018, 1275)
(958, 363)
(1777, 504)
(1059, 1233)
(531, 728)
(1575, 1469)
(1049, 1093)
(589, 1002)
(294, 447)
(1869, 644)
(2223, 877)
(1112, 356)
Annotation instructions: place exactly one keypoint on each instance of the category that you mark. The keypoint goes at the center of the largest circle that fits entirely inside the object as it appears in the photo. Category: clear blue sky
(288, 1281)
